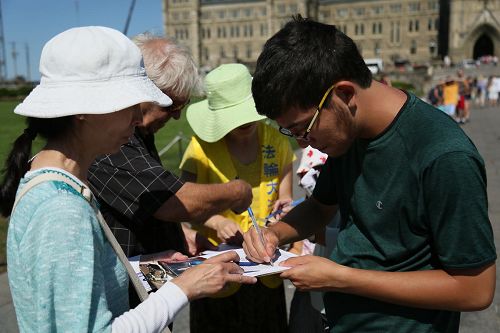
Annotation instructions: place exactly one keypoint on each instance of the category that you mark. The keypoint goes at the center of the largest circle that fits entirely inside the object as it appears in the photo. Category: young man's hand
(254, 248)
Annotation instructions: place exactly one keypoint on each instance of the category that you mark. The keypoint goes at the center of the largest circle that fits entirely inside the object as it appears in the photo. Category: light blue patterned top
(63, 273)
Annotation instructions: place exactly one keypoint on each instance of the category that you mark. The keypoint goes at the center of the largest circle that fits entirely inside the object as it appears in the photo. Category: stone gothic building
(415, 31)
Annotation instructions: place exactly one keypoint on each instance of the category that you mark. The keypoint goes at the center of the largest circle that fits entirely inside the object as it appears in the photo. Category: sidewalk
(484, 130)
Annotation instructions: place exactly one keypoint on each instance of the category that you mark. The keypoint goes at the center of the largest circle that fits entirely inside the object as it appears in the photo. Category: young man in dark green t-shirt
(416, 245)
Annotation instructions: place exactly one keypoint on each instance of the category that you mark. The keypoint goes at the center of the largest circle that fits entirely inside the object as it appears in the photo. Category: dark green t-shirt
(414, 198)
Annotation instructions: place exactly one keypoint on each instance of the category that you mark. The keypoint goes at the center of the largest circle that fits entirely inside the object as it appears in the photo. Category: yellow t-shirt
(450, 94)
(212, 163)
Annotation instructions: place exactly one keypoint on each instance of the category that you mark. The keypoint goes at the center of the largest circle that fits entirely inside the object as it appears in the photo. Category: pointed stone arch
(484, 38)
(483, 46)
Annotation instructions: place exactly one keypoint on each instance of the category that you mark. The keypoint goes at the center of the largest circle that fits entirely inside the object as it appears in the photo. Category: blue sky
(34, 22)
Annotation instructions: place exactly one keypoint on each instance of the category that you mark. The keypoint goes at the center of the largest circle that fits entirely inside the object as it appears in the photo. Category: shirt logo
(379, 204)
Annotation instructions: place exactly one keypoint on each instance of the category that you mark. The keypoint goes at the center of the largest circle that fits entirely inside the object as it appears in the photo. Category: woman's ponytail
(16, 165)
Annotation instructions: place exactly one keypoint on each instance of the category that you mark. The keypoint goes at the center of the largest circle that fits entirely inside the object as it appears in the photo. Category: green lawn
(12, 125)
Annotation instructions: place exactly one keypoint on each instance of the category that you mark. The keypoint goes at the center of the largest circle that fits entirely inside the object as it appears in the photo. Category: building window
(436, 24)
(429, 24)
(249, 51)
(413, 48)
(185, 15)
(377, 28)
(395, 33)
(280, 8)
(222, 53)
(396, 8)
(205, 15)
(378, 10)
(417, 25)
(293, 8)
(205, 53)
(410, 26)
(359, 11)
(248, 12)
(414, 6)
(208, 32)
(263, 29)
(263, 11)
(222, 14)
(433, 5)
(235, 13)
(237, 31)
(342, 12)
(359, 29)
(376, 48)
(324, 14)
(432, 47)
(235, 52)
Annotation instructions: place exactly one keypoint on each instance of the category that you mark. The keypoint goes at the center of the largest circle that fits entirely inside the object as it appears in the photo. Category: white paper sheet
(259, 269)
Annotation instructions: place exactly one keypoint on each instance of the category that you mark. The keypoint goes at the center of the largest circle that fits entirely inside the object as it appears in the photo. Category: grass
(12, 126)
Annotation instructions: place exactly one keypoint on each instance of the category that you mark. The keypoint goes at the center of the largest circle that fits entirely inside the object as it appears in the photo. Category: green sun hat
(229, 103)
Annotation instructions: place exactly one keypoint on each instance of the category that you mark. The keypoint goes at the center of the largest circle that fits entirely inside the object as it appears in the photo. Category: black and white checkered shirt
(131, 185)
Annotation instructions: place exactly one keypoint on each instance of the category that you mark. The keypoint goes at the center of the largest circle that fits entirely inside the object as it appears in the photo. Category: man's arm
(197, 202)
(454, 290)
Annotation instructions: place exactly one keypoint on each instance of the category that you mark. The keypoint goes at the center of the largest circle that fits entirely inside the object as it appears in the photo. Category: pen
(257, 229)
(247, 263)
(279, 211)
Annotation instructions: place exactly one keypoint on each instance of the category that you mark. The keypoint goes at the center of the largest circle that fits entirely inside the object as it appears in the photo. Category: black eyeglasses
(177, 107)
(304, 137)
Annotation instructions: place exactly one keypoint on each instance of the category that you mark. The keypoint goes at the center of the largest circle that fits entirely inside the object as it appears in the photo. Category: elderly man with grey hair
(139, 198)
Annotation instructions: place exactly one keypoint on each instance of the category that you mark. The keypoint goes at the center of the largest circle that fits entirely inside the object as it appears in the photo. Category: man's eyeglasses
(177, 107)
(287, 132)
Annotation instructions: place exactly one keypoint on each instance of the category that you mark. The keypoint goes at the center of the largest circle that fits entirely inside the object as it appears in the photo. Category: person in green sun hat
(233, 141)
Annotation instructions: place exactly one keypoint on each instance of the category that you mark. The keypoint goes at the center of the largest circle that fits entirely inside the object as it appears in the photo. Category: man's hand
(254, 248)
(242, 193)
(229, 231)
(313, 273)
(196, 242)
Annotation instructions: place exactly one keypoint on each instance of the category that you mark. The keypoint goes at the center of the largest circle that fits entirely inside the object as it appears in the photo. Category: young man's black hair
(300, 62)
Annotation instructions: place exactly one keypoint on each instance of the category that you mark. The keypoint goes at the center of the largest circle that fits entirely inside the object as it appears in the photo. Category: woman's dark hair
(17, 163)
(300, 62)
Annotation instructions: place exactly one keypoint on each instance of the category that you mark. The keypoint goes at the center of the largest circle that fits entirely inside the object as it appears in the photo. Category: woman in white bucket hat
(63, 273)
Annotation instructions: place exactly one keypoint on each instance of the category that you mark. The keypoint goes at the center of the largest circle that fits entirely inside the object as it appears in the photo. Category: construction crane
(3, 59)
(129, 17)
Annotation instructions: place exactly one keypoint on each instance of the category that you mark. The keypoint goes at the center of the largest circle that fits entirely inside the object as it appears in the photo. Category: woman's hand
(212, 276)
(168, 256)
(285, 205)
(228, 231)
(195, 241)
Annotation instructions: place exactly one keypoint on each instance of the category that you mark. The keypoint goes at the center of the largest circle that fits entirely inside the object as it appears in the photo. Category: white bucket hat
(90, 70)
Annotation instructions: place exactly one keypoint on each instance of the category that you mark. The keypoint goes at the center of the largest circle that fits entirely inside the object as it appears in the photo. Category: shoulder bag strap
(87, 194)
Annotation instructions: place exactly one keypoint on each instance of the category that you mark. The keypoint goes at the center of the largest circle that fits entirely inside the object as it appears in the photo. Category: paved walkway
(484, 129)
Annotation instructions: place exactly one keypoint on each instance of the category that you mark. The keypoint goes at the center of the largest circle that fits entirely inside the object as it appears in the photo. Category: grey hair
(169, 65)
